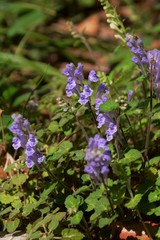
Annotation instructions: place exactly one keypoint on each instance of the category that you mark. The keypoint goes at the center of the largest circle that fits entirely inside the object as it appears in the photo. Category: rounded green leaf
(12, 225)
(76, 218)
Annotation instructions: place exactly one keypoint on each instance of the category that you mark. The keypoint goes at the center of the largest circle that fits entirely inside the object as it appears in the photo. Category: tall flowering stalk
(147, 61)
(149, 64)
(25, 139)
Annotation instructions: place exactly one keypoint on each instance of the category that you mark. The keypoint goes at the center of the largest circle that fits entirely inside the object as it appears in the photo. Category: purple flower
(130, 94)
(98, 158)
(84, 96)
(17, 125)
(92, 77)
(32, 141)
(111, 131)
(33, 159)
(75, 82)
(149, 61)
(137, 48)
(154, 69)
(16, 142)
(105, 119)
(26, 140)
(29, 150)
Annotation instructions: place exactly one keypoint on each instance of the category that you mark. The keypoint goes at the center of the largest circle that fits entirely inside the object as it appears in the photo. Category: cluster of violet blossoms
(75, 82)
(26, 140)
(147, 61)
(98, 157)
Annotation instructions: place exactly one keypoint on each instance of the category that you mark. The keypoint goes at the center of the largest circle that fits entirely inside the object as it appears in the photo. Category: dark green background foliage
(60, 201)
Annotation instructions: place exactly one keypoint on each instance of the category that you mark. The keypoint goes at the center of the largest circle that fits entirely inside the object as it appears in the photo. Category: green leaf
(17, 204)
(109, 106)
(85, 178)
(6, 198)
(158, 181)
(55, 220)
(72, 234)
(19, 179)
(6, 120)
(14, 213)
(106, 221)
(21, 99)
(45, 194)
(28, 208)
(82, 189)
(134, 201)
(101, 205)
(154, 161)
(72, 203)
(157, 211)
(66, 146)
(41, 222)
(12, 225)
(53, 224)
(5, 211)
(78, 155)
(76, 218)
(35, 235)
(45, 210)
(154, 196)
(132, 155)
(91, 200)
(28, 20)
(158, 233)
(54, 127)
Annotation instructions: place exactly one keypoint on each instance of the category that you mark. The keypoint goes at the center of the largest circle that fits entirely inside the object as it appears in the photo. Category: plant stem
(94, 118)
(112, 209)
(86, 229)
(150, 114)
(1, 122)
(132, 132)
(55, 177)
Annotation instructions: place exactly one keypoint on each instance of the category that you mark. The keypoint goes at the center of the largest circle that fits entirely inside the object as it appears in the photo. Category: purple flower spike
(104, 119)
(26, 140)
(98, 158)
(154, 69)
(137, 48)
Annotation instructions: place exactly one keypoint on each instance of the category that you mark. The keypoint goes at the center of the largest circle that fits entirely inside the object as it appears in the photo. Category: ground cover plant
(79, 144)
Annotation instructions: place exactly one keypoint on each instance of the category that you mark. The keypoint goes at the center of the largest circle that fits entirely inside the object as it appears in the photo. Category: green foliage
(57, 199)
(109, 106)
(72, 234)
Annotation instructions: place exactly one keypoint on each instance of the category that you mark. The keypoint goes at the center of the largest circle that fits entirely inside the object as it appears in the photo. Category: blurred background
(38, 38)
